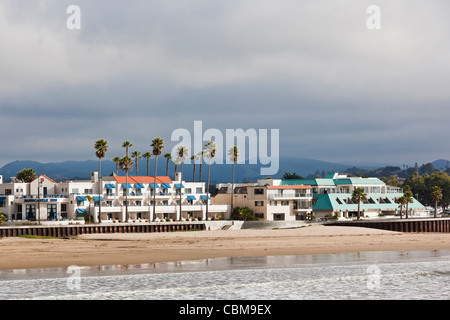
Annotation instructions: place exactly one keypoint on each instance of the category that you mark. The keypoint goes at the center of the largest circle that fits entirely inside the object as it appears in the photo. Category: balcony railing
(290, 196)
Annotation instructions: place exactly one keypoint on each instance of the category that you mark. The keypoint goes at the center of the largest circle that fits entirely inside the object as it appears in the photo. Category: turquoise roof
(336, 202)
(331, 182)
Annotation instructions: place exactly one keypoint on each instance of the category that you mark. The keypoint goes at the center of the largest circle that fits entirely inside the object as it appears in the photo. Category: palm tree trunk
(167, 167)
(232, 190)
(401, 213)
(148, 167)
(126, 197)
(207, 189)
(193, 177)
(359, 209)
(154, 190)
(99, 192)
(200, 173)
(406, 215)
(435, 209)
(181, 181)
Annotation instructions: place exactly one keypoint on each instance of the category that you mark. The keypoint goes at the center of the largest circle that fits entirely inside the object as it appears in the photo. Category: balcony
(289, 196)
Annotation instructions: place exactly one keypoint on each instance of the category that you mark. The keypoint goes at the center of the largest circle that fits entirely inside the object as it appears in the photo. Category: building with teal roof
(332, 196)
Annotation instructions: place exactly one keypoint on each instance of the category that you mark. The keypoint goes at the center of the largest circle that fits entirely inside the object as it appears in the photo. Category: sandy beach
(135, 248)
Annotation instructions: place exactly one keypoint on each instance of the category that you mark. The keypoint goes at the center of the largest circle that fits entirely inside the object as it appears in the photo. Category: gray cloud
(139, 69)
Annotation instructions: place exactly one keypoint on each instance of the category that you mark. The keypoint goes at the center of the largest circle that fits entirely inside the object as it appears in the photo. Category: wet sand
(137, 248)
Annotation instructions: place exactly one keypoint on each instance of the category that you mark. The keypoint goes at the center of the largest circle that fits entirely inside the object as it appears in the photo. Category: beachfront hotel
(298, 199)
(46, 200)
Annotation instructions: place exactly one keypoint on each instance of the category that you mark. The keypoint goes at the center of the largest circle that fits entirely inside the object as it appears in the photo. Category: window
(259, 191)
(259, 215)
(138, 203)
(30, 210)
(63, 207)
(278, 216)
(284, 203)
(51, 211)
(188, 190)
(75, 190)
(198, 190)
(259, 203)
(88, 191)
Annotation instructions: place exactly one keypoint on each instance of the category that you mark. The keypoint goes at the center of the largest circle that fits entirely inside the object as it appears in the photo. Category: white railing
(290, 196)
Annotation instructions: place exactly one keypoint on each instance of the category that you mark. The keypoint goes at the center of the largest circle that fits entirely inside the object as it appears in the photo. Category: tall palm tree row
(147, 156)
(126, 164)
(101, 147)
(233, 153)
(126, 145)
(359, 195)
(182, 153)
(158, 145)
(210, 152)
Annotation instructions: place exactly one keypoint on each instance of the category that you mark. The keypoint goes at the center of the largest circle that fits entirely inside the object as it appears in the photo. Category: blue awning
(139, 186)
(81, 198)
(81, 211)
(165, 185)
(2, 199)
(96, 198)
(204, 197)
(191, 198)
(110, 186)
(152, 185)
(129, 186)
(177, 185)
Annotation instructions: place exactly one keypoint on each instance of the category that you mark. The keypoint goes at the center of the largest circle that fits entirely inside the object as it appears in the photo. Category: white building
(46, 200)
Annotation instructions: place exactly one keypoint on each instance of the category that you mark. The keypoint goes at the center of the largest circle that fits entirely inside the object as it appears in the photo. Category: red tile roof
(143, 179)
(43, 175)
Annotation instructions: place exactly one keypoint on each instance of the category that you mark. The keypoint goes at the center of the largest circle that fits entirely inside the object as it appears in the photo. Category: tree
(233, 153)
(242, 213)
(26, 175)
(158, 145)
(210, 152)
(401, 201)
(182, 153)
(288, 175)
(147, 156)
(101, 147)
(136, 155)
(2, 218)
(126, 145)
(409, 199)
(126, 164)
(201, 155)
(116, 160)
(436, 195)
(89, 199)
(168, 156)
(359, 195)
(193, 159)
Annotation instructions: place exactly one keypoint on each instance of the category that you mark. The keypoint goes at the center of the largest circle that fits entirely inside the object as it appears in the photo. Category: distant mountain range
(80, 170)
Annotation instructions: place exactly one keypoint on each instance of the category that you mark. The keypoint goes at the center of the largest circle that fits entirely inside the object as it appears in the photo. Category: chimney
(94, 176)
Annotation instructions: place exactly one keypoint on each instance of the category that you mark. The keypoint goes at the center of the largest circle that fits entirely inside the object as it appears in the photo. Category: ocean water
(399, 275)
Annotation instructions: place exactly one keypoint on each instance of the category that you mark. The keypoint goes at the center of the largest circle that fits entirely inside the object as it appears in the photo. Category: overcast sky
(335, 89)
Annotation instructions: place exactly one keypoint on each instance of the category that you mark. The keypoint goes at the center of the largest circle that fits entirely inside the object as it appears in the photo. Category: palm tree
(182, 153)
(436, 196)
(158, 145)
(126, 164)
(193, 159)
(359, 195)
(126, 145)
(401, 201)
(210, 152)
(116, 160)
(147, 156)
(136, 155)
(234, 156)
(101, 147)
(409, 199)
(168, 156)
(200, 155)
(89, 199)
